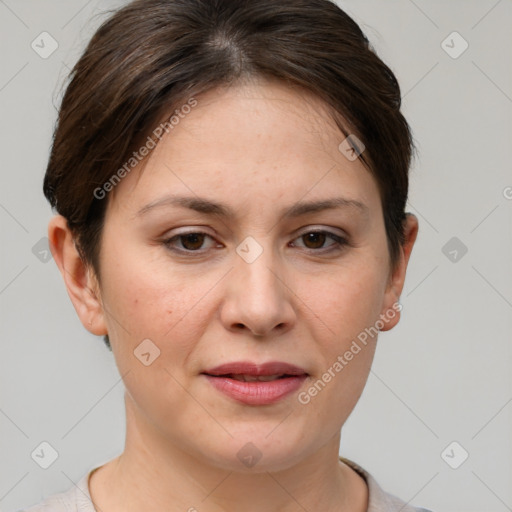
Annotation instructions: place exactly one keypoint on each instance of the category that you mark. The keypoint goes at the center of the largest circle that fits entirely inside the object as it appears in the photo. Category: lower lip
(257, 392)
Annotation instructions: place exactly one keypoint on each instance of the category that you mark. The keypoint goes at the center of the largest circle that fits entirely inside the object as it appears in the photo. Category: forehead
(259, 141)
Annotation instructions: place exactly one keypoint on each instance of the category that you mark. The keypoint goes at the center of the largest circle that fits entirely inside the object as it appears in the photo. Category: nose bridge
(257, 268)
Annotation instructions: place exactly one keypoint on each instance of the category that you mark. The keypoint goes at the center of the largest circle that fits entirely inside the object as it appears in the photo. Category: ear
(79, 278)
(390, 314)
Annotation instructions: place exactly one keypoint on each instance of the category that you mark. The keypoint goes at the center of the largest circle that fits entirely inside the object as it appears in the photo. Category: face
(239, 274)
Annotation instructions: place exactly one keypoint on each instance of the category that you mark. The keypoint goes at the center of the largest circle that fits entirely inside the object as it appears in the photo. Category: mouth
(248, 368)
(254, 384)
(252, 378)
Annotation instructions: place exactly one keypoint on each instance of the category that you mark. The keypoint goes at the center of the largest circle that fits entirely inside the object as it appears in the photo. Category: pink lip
(257, 392)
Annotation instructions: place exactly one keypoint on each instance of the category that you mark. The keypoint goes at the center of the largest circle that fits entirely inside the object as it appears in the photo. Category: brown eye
(190, 242)
(315, 240)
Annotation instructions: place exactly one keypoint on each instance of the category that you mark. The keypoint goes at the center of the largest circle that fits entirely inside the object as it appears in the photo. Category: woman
(230, 178)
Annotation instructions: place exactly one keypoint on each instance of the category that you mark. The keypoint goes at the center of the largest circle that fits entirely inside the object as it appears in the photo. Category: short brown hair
(151, 55)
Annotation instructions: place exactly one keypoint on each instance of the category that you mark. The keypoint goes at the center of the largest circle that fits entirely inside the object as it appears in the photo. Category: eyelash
(340, 242)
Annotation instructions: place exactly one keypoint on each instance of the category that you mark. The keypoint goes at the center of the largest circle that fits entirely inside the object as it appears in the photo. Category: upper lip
(250, 368)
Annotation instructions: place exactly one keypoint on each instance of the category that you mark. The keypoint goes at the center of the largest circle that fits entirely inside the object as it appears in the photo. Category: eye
(193, 241)
(315, 239)
(190, 242)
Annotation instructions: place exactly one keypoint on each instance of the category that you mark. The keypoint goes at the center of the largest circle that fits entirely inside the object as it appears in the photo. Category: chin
(261, 451)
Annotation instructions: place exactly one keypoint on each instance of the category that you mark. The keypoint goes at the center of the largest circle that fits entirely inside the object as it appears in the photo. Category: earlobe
(80, 281)
(391, 309)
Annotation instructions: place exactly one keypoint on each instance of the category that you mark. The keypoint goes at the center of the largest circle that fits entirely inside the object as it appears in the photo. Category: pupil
(193, 237)
(312, 237)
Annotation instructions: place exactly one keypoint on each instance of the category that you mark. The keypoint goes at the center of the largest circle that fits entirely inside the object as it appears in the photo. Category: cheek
(143, 303)
(153, 301)
(346, 301)
(347, 307)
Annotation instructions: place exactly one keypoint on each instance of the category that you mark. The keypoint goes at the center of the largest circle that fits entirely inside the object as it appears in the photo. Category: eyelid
(323, 229)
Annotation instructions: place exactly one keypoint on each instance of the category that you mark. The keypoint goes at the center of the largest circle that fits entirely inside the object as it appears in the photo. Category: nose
(258, 297)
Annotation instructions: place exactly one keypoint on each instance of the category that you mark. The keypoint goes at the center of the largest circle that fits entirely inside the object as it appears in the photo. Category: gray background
(442, 375)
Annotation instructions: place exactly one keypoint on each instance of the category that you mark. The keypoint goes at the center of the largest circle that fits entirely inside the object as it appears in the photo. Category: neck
(152, 471)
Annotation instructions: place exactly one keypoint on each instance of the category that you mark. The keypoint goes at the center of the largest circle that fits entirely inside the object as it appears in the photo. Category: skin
(259, 148)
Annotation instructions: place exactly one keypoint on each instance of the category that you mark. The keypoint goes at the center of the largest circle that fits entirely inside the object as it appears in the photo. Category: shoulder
(378, 499)
(76, 499)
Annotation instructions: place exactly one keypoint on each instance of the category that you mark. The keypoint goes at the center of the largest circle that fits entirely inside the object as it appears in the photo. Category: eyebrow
(213, 208)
